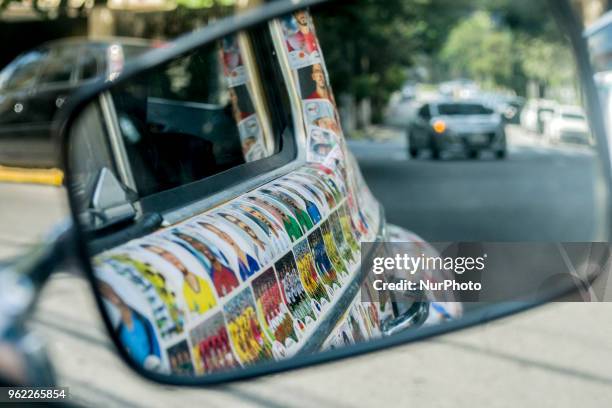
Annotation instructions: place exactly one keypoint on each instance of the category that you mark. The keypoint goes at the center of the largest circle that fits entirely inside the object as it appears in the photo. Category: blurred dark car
(456, 126)
(35, 85)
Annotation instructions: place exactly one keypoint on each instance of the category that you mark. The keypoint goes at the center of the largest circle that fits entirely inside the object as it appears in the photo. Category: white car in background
(568, 124)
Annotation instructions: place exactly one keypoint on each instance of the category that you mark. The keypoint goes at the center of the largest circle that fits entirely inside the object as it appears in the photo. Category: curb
(52, 177)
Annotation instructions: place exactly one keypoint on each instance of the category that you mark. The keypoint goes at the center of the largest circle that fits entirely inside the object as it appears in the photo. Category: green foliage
(477, 49)
(371, 45)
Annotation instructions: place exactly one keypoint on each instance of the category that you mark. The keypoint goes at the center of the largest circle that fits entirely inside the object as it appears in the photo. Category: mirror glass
(238, 211)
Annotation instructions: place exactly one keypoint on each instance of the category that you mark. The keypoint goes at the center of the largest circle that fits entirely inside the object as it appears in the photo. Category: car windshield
(569, 115)
(449, 109)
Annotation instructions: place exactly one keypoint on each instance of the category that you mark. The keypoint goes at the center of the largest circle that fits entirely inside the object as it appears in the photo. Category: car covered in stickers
(250, 250)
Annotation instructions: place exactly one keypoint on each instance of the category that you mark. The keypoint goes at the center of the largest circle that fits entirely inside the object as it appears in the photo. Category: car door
(17, 85)
(248, 247)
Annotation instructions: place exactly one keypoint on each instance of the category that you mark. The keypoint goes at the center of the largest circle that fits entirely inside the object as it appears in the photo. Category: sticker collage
(245, 282)
(252, 279)
(240, 95)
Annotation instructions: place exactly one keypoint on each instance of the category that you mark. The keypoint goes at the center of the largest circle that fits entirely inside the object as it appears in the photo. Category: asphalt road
(554, 356)
(539, 193)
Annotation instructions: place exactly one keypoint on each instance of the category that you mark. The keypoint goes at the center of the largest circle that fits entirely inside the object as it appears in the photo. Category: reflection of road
(26, 211)
(539, 192)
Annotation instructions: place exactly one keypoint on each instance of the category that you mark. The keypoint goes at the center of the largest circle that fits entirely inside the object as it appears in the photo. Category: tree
(477, 49)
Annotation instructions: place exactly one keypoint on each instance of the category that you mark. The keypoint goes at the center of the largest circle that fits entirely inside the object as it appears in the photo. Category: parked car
(568, 124)
(36, 84)
(456, 126)
(536, 113)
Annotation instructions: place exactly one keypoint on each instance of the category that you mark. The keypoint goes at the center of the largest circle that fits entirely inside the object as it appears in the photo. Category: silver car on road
(456, 126)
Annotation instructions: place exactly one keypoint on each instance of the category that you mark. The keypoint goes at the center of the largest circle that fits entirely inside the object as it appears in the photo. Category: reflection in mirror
(209, 256)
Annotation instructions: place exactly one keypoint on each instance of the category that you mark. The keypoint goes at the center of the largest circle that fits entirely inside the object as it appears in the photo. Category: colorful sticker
(309, 275)
(282, 215)
(274, 314)
(298, 210)
(233, 68)
(275, 234)
(170, 318)
(293, 291)
(248, 339)
(324, 266)
(243, 111)
(180, 359)
(332, 250)
(212, 260)
(212, 350)
(301, 40)
(249, 233)
(131, 309)
(246, 264)
(196, 289)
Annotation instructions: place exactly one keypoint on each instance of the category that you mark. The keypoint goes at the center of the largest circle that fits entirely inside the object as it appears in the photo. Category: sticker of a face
(287, 215)
(312, 183)
(313, 83)
(133, 263)
(214, 261)
(301, 40)
(247, 265)
(247, 230)
(131, 317)
(276, 235)
(301, 200)
(309, 191)
(231, 59)
(297, 210)
(197, 292)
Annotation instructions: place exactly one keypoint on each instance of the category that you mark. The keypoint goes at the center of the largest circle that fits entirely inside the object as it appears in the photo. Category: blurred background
(386, 64)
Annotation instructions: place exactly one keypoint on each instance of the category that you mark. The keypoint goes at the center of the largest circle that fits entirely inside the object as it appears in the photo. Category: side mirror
(227, 230)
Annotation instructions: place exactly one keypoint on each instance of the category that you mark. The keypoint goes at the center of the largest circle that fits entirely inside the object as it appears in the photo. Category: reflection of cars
(568, 124)
(456, 126)
(536, 113)
(36, 84)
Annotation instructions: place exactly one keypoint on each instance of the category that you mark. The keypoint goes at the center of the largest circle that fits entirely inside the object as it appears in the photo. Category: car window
(424, 112)
(22, 72)
(463, 109)
(576, 116)
(90, 62)
(60, 65)
(201, 104)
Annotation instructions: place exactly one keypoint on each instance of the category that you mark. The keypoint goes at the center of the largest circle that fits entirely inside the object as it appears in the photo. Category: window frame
(187, 200)
(39, 65)
(41, 85)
